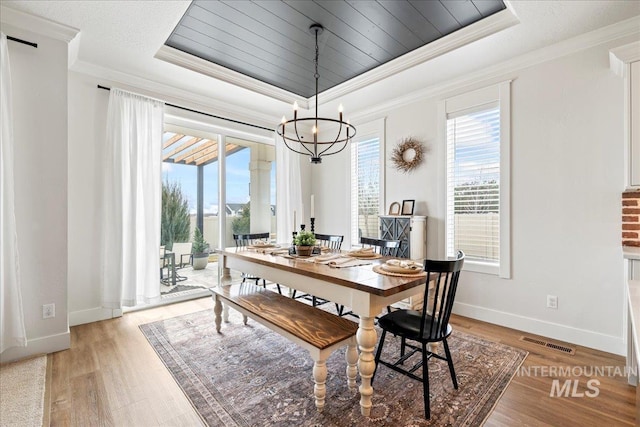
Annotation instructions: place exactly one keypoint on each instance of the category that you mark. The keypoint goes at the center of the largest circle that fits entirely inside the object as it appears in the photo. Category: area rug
(251, 376)
(22, 386)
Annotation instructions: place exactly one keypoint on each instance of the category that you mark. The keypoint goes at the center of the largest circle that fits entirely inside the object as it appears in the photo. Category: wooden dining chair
(431, 325)
(380, 246)
(334, 243)
(245, 240)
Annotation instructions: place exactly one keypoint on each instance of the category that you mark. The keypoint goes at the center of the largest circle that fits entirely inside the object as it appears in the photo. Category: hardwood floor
(112, 376)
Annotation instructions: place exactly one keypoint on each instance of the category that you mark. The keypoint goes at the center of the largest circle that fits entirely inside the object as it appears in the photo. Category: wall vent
(550, 345)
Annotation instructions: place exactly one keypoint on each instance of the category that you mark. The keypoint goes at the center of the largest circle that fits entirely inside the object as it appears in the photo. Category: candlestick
(313, 220)
(302, 227)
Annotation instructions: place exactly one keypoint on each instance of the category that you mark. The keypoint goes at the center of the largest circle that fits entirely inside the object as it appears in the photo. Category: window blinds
(473, 183)
(365, 189)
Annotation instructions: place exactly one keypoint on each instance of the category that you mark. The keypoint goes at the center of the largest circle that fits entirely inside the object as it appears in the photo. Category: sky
(237, 181)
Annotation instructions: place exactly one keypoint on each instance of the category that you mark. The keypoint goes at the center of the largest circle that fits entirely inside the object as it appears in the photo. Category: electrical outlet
(48, 311)
(552, 301)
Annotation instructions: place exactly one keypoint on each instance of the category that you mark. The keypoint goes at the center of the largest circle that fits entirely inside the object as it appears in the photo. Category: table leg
(217, 309)
(367, 338)
(225, 279)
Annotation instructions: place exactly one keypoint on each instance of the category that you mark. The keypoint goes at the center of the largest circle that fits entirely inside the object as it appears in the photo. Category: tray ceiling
(270, 41)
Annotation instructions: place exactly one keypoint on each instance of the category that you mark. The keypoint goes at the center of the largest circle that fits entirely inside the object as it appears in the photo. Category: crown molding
(505, 70)
(620, 56)
(199, 65)
(172, 94)
(37, 24)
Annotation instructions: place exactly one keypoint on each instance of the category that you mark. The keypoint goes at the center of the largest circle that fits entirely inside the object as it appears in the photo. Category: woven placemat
(380, 270)
(377, 256)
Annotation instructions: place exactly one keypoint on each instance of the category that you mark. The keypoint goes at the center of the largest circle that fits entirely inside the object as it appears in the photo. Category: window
(367, 177)
(477, 216)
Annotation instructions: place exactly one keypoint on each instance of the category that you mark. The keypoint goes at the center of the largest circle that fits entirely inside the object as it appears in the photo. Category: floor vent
(550, 345)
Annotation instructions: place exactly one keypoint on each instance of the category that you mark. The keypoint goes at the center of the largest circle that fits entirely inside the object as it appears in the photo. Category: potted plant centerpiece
(200, 250)
(304, 242)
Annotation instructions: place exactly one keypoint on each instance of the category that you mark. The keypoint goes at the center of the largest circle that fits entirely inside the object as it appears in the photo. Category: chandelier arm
(302, 144)
(334, 142)
(296, 151)
(295, 127)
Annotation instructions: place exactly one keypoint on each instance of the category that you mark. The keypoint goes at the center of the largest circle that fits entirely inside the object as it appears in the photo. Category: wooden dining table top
(362, 277)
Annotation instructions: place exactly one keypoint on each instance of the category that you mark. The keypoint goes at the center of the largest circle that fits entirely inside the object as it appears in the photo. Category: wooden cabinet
(410, 230)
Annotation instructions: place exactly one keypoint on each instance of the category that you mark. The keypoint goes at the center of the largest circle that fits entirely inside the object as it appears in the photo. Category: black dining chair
(380, 246)
(245, 240)
(431, 325)
(332, 242)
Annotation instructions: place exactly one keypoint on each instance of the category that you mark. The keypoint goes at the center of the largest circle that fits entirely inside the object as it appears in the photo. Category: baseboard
(43, 345)
(95, 314)
(583, 337)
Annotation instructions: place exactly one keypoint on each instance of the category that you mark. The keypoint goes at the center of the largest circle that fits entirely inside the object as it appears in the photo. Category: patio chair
(182, 252)
(430, 325)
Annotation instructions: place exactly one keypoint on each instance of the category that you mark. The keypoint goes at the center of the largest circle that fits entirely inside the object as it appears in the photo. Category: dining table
(365, 291)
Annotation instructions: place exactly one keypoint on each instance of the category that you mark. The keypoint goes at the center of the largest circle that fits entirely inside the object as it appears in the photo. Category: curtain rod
(14, 39)
(206, 114)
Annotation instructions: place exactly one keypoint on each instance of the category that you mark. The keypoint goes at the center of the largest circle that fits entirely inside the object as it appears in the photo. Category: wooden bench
(315, 330)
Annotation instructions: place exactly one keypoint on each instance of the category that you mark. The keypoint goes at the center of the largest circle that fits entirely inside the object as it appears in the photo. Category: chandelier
(298, 138)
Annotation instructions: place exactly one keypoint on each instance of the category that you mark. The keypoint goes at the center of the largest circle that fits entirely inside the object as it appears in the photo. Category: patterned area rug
(251, 376)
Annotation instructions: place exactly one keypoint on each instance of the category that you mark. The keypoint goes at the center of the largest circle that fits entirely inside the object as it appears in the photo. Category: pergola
(198, 152)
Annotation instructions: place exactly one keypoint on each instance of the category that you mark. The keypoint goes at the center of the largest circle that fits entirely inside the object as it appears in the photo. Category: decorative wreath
(407, 155)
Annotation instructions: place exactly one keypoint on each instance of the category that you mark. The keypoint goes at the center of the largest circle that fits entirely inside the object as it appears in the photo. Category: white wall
(39, 78)
(567, 175)
(87, 135)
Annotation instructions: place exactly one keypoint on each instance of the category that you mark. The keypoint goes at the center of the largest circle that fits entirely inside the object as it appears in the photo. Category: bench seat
(315, 330)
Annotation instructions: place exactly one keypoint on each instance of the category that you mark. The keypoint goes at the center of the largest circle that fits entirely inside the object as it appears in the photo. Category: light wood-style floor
(112, 376)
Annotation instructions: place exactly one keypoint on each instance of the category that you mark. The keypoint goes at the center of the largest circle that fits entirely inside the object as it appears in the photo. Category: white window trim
(372, 129)
(500, 92)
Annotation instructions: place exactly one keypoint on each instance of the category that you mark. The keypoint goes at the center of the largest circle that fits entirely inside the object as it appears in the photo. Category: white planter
(200, 261)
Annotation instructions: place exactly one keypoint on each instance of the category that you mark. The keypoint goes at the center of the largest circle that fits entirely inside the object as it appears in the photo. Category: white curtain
(132, 203)
(288, 191)
(12, 330)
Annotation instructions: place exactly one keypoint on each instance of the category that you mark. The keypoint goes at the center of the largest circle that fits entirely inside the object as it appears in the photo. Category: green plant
(200, 245)
(241, 223)
(175, 222)
(305, 238)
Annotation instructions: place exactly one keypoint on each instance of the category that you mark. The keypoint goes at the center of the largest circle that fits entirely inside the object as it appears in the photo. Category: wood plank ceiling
(270, 40)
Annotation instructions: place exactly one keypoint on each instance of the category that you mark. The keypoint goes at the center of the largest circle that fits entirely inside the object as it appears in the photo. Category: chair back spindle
(444, 290)
(244, 240)
(382, 246)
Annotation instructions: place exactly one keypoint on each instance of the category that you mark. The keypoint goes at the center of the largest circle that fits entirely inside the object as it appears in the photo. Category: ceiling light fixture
(300, 140)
